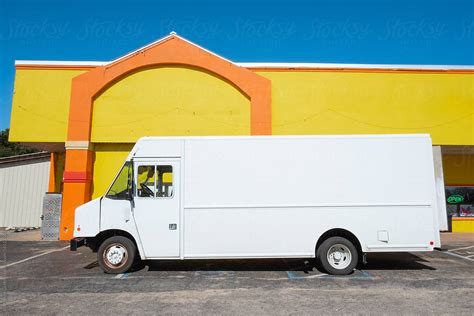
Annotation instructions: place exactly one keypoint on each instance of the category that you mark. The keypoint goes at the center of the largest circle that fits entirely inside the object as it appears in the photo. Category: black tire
(124, 250)
(346, 262)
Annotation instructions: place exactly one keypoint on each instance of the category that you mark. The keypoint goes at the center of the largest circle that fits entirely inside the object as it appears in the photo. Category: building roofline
(164, 39)
(249, 65)
(103, 63)
(59, 63)
(352, 66)
(260, 65)
(25, 157)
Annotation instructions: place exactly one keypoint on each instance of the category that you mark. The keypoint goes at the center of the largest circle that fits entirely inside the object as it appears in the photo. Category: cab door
(157, 206)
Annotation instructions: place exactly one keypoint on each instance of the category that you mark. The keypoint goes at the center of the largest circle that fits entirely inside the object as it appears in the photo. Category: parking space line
(293, 276)
(457, 256)
(33, 257)
(462, 248)
(121, 276)
(365, 275)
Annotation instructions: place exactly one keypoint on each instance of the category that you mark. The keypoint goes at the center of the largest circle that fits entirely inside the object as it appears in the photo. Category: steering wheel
(147, 189)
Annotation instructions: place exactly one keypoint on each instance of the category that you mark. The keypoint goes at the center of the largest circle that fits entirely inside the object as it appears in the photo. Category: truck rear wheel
(116, 255)
(338, 256)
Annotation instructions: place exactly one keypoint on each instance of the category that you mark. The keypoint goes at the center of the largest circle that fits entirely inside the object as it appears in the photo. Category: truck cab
(145, 211)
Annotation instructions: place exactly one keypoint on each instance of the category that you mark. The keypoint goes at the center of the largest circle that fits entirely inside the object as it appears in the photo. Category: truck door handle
(173, 226)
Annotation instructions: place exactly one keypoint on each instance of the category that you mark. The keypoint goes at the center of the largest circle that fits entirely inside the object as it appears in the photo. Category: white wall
(22, 187)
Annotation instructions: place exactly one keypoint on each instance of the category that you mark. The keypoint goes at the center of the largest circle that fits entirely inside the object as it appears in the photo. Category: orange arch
(171, 50)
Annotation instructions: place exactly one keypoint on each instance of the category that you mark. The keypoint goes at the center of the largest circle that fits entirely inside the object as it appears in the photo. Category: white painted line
(292, 276)
(313, 276)
(461, 248)
(33, 257)
(456, 255)
(118, 276)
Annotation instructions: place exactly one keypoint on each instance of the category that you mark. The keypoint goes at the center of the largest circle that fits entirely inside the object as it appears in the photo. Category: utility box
(51, 217)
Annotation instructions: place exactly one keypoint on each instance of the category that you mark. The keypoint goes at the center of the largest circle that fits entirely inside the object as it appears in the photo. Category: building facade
(90, 114)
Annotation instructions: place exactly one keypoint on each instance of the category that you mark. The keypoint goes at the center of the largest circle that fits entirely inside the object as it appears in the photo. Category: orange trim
(52, 178)
(77, 176)
(419, 71)
(173, 51)
(459, 219)
(459, 185)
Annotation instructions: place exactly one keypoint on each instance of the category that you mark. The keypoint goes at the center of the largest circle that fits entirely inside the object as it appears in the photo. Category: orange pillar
(261, 110)
(52, 174)
(77, 187)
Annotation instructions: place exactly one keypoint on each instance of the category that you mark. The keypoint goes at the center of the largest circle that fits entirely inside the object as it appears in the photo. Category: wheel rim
(339, 256)
(115, 256)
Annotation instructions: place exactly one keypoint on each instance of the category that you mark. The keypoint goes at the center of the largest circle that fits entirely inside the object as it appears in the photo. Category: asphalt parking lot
(46, 278)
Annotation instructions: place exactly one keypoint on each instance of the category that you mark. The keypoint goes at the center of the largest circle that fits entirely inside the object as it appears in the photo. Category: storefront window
(460, 200)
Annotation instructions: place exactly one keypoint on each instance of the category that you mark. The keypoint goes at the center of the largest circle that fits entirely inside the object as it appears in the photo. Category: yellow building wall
(109, 158)
(40, 106)
(184, 101)
(463, 225)
(374, 103)
(458, 169)
(168, 101)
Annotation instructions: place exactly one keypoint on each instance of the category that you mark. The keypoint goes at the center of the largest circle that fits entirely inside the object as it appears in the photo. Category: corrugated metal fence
(23, 183)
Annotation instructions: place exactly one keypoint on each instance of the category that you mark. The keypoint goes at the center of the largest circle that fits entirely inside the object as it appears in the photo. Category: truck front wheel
(116, 255)
(338, 256)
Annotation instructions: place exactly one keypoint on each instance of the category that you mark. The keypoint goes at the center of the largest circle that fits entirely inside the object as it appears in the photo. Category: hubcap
(115, 256)
(339, 256)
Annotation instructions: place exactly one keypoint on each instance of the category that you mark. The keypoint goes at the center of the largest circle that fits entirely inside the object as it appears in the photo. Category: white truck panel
(165, 147)
(308, 171)
(117, 215)
(251, 193)
(87, 219)
(293, 232)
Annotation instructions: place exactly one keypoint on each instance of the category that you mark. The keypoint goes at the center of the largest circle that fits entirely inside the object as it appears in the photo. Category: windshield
(122, 187)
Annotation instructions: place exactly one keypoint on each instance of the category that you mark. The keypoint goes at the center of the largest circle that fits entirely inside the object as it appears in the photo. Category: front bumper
(76, 243)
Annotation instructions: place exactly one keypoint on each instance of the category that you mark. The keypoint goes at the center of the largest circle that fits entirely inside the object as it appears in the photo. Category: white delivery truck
(330, 197)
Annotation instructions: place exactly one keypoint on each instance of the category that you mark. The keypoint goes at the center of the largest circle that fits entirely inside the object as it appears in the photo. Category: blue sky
(389, 32)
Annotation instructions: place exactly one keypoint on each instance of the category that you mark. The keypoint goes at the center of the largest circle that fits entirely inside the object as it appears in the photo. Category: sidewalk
(456, 240)
(27, 235)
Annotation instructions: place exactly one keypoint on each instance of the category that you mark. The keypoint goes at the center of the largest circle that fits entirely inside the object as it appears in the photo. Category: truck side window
(155, 181)
(146, 181)
(122, 187)
(164, 181)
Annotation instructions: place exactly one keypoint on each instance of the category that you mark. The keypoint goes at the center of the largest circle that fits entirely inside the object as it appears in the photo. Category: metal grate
(51, 216)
